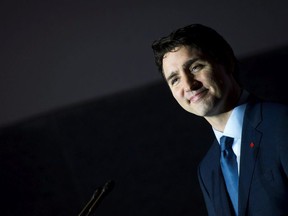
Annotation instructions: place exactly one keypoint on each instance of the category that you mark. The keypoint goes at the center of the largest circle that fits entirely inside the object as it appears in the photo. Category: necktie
(229, 169)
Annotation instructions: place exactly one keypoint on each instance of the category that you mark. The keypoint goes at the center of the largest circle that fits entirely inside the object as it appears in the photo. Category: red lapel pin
(252, 145)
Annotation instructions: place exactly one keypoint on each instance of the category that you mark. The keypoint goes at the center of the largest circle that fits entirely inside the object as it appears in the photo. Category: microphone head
(108, 186)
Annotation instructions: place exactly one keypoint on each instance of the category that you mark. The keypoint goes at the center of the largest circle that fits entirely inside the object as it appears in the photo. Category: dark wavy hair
(198, 36)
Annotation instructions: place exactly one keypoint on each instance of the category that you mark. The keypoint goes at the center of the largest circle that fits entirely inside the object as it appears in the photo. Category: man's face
(201, 86)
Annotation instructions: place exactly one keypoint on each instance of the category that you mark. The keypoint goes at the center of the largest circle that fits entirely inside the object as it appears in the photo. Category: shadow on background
(141, 139)
(265, 74)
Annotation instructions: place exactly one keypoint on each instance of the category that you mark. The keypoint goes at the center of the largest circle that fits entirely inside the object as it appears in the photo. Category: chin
(192, 111)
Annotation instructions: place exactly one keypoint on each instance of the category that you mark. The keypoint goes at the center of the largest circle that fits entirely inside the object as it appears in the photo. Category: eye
(174, 80)
(196, 68)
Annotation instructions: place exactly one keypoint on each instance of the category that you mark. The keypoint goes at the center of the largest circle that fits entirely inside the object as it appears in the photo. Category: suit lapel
(249, 149)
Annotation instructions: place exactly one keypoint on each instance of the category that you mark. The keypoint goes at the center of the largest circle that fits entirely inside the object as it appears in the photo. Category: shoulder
(270, 118)
(279, 107)
(267, 108)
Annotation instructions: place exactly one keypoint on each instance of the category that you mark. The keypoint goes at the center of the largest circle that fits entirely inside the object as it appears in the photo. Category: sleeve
(284, 155)
(283, 148)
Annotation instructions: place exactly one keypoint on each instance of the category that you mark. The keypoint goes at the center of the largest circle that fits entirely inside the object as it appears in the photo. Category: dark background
(59, 53)
(82, 102)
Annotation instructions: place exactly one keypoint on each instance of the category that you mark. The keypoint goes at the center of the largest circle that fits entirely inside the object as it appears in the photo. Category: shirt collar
(233, 127)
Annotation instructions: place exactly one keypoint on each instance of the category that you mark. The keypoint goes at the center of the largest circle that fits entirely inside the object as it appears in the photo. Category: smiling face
(200, 85)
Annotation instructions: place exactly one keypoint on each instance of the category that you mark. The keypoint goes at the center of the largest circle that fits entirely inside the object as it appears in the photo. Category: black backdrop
(52, 163)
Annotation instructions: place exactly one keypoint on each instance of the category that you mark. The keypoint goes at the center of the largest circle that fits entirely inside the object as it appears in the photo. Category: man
(245, 171)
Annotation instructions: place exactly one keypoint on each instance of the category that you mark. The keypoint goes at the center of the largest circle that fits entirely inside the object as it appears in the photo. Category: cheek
(177, 97)
(209, 81)
(176, 92)
(181, 101)
(220, 77)
(213, 81)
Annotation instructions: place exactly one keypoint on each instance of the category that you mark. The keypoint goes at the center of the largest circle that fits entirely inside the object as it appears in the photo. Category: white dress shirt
(233, 127)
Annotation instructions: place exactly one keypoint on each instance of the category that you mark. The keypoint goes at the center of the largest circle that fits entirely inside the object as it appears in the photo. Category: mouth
(198, 95)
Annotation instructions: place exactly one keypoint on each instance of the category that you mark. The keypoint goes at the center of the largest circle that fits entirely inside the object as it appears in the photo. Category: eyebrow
(172, 74)
(186, 65)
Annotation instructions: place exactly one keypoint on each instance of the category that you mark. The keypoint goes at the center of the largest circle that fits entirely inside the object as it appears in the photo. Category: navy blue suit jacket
(263, 180)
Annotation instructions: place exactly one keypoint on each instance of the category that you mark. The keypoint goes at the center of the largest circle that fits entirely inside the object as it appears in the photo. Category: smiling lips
(197, 95)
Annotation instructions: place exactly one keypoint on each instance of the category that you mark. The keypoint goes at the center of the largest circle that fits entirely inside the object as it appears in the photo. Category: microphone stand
(96, 198)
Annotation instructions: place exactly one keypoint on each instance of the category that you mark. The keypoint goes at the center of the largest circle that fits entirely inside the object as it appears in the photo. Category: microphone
(96, 198)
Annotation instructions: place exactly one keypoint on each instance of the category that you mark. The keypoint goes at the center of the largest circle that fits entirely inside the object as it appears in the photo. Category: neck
(219, 120)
